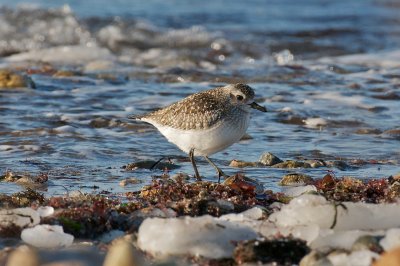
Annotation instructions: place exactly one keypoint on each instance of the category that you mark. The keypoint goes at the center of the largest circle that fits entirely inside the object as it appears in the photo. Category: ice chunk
(298, 190)
(21, 217)
(200, 236)
(45, 211)
(312, 209)
(251, 214)
(47, 236)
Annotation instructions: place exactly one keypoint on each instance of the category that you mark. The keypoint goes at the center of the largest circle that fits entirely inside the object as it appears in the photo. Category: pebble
(292, 164)
(129, 181)
(268, 159)
(23, 256)
(295, 179)
(9, 79)
(242, 164)
(122, 253)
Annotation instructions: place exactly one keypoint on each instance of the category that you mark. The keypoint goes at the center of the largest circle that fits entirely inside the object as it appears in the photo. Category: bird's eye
(239, 97)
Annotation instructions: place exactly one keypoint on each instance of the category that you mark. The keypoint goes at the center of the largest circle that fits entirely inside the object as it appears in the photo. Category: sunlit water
(76, 128)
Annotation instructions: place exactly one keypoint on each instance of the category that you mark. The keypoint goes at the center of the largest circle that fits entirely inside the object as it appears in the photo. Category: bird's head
(242, 95)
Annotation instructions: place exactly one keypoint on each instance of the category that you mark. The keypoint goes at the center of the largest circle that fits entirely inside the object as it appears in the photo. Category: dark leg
(196, 172)
(219, 171)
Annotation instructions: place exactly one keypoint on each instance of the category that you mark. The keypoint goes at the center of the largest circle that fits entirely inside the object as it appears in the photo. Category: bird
(206, 122)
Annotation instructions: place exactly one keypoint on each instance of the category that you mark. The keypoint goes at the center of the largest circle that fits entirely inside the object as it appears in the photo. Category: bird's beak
(258, 107)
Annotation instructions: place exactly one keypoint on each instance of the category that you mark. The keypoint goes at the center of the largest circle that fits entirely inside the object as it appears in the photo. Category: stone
(23, 256)
(122, 253)
(268, 159)
(292, 164)
(295, 179)
(242, 164)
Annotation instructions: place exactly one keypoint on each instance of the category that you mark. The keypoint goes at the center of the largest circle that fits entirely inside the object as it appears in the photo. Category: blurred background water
(328, 71)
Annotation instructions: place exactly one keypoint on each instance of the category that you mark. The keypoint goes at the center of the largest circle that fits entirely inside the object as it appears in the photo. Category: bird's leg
(196, 172)
(219, 171)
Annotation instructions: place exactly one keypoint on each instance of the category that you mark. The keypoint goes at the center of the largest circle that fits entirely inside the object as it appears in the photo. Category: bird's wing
(198, 111)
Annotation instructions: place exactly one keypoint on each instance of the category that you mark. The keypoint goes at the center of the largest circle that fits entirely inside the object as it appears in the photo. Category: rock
(368, 131)
(389, 258)
(295, 179)
(129, 181)
(315, 122)
(282, 251)
(122, 253)
(23, 256)
(9, 79)
(64, 74)
(268, 159)
(150, 164)
(241, 164)
(204, 236)
(341, 165)
(20, 217)
(181, 177)
(394, 133)
(315, 163)
(367, 242)
(47, 236)
(292, 164)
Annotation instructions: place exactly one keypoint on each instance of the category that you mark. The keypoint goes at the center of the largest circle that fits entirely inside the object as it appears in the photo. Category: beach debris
(46, 236)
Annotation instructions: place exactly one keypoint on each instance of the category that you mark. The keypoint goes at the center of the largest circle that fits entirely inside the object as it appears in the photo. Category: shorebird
(206, 122)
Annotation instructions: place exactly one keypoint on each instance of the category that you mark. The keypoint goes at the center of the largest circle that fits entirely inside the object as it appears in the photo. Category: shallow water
(75, 128)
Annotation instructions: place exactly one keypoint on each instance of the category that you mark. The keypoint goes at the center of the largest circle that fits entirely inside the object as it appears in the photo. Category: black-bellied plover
(206, 122)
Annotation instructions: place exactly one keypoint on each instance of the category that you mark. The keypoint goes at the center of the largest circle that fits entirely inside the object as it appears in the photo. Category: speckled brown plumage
(200, 110)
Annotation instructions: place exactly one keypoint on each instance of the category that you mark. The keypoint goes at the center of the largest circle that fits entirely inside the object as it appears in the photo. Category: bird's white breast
(206, 141)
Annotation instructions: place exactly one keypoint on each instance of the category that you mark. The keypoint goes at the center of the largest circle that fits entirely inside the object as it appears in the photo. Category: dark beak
(258, 107)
